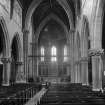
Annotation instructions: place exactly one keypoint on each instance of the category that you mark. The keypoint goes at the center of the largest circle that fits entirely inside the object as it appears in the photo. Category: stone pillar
(6, 71)
(20, 77)
(25, 52)
(84, 70)
(35, 60)
(77, 72)
(68, 59)
(72, 56)
(96, 68)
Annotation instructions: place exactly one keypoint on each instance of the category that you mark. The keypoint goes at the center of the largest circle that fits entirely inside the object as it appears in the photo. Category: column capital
(72, 31)
(19, 63)
(96, 52)
(85, 59)
(77, 62)
(25, 31)
(6, 60)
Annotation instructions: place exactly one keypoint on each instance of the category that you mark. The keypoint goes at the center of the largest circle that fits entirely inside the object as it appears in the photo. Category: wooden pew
(18, 94)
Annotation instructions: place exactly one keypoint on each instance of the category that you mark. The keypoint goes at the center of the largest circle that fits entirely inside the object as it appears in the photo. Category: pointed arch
(16, 51)
(6, 37)
(18, 43)
(35, 4)
(48, 18)
(85, 34)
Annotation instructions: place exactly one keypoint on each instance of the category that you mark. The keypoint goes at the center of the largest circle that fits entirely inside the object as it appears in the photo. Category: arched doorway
(15, 54)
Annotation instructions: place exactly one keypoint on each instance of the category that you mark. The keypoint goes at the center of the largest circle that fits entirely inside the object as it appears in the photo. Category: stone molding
(9, 60)
(77, 62)
(25, 31)
(96, 52)
(19, 62)
(6, 60)
(84, 59)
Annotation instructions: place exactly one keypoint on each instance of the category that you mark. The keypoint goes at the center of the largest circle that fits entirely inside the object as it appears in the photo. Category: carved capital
(84, 59)
(77, 62)
(19, 63)
(6, 60)
(72, 31)
(96, 52)
(25, 31)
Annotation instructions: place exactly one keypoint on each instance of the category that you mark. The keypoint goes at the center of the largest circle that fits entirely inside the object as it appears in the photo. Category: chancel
(52, 52)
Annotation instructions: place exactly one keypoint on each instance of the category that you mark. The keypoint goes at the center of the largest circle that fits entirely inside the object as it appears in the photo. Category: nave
(56, 42)
(72, 94)
(55, 94)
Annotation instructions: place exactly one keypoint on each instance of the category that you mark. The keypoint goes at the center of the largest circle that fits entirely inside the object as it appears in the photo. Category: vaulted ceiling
(47, 7)
(53, 29)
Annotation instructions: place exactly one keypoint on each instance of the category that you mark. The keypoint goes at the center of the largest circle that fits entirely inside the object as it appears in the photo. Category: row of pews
(18, 94)
(72, 94)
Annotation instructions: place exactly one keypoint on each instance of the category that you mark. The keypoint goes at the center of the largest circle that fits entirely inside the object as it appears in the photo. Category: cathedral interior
(52, 52)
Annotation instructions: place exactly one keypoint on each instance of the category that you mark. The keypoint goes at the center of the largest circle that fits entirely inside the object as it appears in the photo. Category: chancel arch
(36, 34)
(36, 3)
(43, 23)
(51, 66)
(60, 7)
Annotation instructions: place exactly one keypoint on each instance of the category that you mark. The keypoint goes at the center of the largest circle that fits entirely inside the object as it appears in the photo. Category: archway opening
(2, 52)
(15, 59)
(52, 66)
(47, 7)
(37, 12)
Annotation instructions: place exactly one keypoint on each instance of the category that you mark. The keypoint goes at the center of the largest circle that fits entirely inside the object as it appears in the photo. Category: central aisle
(72, 94)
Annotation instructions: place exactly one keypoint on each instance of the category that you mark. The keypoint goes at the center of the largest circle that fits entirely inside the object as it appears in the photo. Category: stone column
(68, 59)
(20, 77)
(84, 70)
(6, 71)
(77, 72)
(72, 56)
(48, 59)
(96, 68)
(25, 52)
(35, 60)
